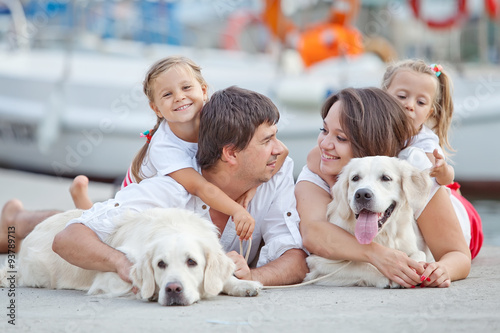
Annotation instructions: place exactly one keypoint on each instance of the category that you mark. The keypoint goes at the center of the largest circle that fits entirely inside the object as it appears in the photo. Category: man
(237, 152)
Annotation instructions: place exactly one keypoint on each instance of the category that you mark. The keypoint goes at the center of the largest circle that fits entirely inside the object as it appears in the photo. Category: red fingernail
(413, 286)
(422, 278)
(428, 279)
(422, 285)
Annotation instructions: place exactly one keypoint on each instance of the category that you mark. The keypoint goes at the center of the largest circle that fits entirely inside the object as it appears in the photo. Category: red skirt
(476, 227)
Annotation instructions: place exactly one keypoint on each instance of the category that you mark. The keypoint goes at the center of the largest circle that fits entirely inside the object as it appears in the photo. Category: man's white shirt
(273, 207)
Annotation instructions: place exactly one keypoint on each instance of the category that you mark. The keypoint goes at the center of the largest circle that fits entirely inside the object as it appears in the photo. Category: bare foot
(8, 224)
(79, 192)
(16, 223)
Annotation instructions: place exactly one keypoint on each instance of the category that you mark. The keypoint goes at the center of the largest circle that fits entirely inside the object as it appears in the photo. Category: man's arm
(290, 268)
(80, 246)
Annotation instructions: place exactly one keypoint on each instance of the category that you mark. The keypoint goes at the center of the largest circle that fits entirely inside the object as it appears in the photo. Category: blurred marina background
(71, 73)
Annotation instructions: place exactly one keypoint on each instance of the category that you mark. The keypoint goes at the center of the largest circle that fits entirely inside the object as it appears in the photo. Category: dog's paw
(241, 288)
(321, 266)
(313, 261)
(311, 275)
(394, 285)
(109, 284)
(418, 256)
(385, 283)
(247, 289)
(252, 289)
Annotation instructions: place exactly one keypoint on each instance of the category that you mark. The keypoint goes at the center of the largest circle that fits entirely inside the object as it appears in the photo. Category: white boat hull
(83, 114)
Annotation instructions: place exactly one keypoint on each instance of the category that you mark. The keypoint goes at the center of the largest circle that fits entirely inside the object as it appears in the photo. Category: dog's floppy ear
(142, 275)
(415, 184)
(340, 203)
(218, 269)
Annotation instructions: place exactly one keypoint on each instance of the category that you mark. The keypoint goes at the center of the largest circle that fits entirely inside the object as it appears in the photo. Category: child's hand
(245, 224)
(440, 165)
(245, 199)
(442, 171)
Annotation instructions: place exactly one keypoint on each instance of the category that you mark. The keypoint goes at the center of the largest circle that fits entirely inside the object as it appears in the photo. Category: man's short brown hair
(231, 117)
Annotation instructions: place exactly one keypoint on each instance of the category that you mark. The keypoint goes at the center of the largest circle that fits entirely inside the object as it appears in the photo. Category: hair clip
(436, 68)
(147, 135)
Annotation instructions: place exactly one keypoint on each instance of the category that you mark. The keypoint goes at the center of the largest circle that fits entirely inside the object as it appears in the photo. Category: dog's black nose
(363, 195)
(173, 288)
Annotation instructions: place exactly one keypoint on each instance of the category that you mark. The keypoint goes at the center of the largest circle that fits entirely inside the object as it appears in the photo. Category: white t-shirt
(166, 153)
(427, 140)
(273, 207)
(418, 159)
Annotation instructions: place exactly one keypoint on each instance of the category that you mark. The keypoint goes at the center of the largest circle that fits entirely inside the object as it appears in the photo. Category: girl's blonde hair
(154, 71)
(440, 119)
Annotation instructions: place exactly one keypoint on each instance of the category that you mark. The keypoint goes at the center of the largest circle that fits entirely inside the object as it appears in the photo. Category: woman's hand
(435, 275)
(441, 230)
(397, 266)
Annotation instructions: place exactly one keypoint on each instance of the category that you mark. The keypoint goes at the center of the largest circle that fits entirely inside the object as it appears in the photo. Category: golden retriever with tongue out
(374, 199)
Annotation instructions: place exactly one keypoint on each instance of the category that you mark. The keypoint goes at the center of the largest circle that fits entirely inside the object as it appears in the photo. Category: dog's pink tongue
(366, 227)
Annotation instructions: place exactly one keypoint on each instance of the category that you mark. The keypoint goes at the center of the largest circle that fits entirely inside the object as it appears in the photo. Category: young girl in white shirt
(177, 92)
(426, 93)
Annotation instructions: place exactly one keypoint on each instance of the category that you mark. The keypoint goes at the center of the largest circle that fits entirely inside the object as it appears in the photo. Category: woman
(368, 122)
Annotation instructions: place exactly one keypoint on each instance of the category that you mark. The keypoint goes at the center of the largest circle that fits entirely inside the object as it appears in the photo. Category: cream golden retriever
(176, 255)
(374, 199)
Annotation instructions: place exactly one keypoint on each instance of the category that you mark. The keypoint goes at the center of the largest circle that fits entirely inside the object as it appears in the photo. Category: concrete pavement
(469, 305)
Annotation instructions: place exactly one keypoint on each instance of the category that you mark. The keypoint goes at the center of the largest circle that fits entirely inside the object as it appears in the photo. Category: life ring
(493, 8)
(447, 23)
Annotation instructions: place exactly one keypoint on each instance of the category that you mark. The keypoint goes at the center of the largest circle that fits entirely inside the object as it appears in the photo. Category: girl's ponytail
(443, 108)
(140, 157)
